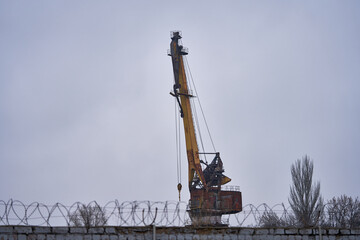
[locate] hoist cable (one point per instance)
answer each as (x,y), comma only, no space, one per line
(198,127)
(179,140)
(194,115)
(202,111)
(178,144)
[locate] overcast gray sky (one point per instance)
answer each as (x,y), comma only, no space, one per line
(85,110)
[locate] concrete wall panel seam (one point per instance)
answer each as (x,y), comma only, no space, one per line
(23,229)
(345,231)
(60,230)
(41,230)
(6,229)
(98,230)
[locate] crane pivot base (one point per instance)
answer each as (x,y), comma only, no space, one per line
(207,206)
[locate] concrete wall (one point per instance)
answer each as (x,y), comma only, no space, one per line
(171,233)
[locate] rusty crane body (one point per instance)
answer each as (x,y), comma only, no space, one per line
(209,200)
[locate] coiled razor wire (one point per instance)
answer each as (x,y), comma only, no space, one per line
(131,213)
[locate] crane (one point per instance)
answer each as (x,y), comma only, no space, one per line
(209,199)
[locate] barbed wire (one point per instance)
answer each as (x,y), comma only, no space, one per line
(130,213)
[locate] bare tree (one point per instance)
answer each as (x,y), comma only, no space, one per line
(269,219)
(343,212)
(305,199)
(88,216)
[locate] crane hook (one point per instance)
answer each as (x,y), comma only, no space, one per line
(179,187)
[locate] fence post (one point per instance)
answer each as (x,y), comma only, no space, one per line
(154,232)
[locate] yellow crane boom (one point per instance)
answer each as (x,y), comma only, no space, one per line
(181,90)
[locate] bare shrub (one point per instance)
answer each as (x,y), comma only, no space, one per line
(88,216)
(269,219)
(343,212)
